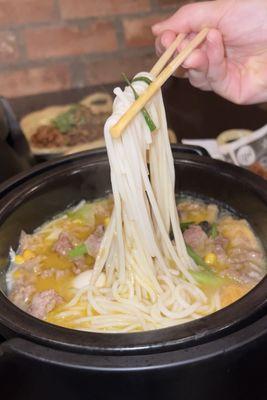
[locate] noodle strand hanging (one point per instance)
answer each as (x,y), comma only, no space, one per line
(150,284)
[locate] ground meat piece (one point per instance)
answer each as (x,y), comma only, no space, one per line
(44,302)
(220,242)
(93,242)
(239,255)
(21,294)
(244,273)
(34,264)
(78,137)
(244,259)
(241,241)
(218,246)
(195,237)
(244,265)
(79,265)
(84,134)
(48,136)
(85,127)
(63,245)
(60,273)
(47,273)
(89,122)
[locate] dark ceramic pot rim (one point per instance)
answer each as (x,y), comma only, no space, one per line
(232,318)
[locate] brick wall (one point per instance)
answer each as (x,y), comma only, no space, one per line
(49,45)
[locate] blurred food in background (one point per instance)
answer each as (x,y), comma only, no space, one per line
(67,129)
(58,129)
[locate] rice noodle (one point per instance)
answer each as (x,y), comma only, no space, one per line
(148,280)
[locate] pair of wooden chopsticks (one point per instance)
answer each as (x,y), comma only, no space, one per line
(161,77)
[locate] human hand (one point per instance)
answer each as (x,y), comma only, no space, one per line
(233,60)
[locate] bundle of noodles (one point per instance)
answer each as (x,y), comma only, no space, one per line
(148,277)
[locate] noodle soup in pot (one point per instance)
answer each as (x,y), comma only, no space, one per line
(138,261)
(49,274)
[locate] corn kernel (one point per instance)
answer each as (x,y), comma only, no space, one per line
(28,254)
(210,258)
(17,273)
(77,221)
(19,259)
(106,221)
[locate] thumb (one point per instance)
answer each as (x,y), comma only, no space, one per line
(191,18)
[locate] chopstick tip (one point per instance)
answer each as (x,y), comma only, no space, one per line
(115,131)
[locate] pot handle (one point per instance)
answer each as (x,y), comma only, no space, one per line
(190,149)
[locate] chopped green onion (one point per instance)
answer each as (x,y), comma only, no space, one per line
(213,231)
(207,277)
(67,120)
(148,119)
(85,213)
(142,79)
(185,225)
(198,260)
(78,251)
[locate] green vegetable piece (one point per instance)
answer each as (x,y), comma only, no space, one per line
(185,225)
(85,213)
(213,231)
(198,260)
(142,79)
(64,122)
(78,251)
(207,278)
(150,123)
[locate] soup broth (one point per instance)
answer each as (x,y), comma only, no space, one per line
(52,267)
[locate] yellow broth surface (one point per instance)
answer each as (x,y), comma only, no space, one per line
(230,251)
